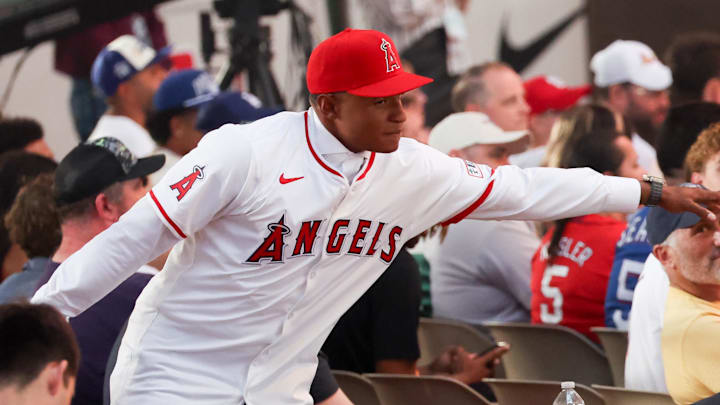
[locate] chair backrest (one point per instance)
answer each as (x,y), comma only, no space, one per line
(550,353)
(399,389)
(529,392)
(359,389)
(435,335)
(615,343)
(623,396)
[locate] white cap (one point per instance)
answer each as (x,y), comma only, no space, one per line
(630,61)
(464,129)
(566,385)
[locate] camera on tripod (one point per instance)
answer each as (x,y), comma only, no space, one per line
(249,44)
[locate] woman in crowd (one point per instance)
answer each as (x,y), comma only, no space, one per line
(571,267)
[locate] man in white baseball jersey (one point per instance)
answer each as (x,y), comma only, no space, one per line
(281,224)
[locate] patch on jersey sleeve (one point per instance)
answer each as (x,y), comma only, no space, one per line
(184,185)
(473,169)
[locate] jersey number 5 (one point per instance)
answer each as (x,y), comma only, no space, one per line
(556,314)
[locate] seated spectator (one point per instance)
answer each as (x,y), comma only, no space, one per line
(571,268)
(128,72)
(494,89)
(94,185)
(648,292)
(39,356)
(688,250)
(694,59)
(378,334)
(32,223)
(23,134)
(172,122)
(631,80)
(16,168)
(480,270)
(75,52)
(547,98)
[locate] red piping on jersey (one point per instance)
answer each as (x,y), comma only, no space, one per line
(460,216)
(167,218)
(307,137)
(370,163)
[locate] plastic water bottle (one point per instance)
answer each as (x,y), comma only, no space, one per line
(568,395)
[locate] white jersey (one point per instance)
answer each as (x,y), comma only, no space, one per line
(133,135)
(276,245)
(644,364)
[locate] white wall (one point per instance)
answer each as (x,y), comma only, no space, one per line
(42,93)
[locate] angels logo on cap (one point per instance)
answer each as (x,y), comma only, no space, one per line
(350,62)
(390,58)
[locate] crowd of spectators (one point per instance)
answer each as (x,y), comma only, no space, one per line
(653,273)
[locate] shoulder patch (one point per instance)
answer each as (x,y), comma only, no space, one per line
(473,169)
(184,185)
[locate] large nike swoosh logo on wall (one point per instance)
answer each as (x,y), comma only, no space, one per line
(521,57)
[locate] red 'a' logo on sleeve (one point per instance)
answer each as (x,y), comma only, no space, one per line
(184,185)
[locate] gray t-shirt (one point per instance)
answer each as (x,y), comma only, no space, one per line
(481,271)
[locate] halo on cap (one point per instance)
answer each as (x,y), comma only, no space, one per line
(361,62)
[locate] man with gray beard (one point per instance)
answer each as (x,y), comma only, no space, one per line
(690,254)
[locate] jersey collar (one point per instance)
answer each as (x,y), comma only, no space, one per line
(323,144)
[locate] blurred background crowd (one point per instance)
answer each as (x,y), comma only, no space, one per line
(97,105)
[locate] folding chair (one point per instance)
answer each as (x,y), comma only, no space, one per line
(530,392)
(400,389)
(615,343)
(435,335)
(550,353)
(359,389)
(623,396)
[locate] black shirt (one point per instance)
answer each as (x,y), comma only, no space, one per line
(382,324)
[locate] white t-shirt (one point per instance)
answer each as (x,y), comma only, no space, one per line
(136,138)
(647,157)
(276,244)
(643,364)
(481,271)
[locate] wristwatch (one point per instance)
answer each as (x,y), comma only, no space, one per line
(656,187)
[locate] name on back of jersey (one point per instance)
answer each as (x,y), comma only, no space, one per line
(577,251)
(362,238)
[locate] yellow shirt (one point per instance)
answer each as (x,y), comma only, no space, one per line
(691,347)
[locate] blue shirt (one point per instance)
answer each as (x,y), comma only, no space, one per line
(24,283)
(97,329)
(631,252)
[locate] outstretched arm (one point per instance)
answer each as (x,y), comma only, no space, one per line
(120,250)
(548,193)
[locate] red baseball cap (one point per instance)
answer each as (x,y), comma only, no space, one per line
(543,94)
(361,62)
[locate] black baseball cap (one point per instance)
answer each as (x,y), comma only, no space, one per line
(661,222)
(92,167)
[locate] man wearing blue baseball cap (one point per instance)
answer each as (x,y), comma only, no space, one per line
(128,72)
(186,106)
(172,122)
(689,250)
